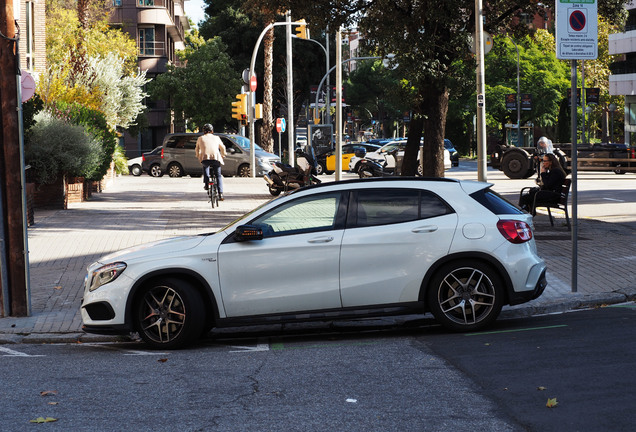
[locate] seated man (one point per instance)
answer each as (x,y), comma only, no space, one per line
(550,180)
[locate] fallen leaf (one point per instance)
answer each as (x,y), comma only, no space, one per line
(48,393)
(43,420)
(163,360)
(541,388)
(53,403)
(552,403)
(58,287)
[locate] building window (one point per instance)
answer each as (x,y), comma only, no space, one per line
(147,41)
(117,3)
(146,2)
(30,35)
(632,114)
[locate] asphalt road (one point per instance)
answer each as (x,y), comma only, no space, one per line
(351,376)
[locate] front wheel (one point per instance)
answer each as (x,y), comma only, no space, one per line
(465,296)
(274,191)
(155,170)
(244,171)
(169,314)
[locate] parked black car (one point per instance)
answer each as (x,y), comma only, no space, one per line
(151,162)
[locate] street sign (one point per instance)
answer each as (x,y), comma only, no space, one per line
(576,29)
(253,83)
(281,125)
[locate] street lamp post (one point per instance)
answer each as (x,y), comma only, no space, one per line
(325,50)
(612,108)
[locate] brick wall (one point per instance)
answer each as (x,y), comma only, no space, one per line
(39,37)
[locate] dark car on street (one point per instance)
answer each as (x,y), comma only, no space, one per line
(151,162)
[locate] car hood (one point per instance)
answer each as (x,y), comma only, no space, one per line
(160,247)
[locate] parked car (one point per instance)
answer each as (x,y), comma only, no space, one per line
(151,162)
(382,155)
(453,248)
(178,158)
(134,166)
(327,160)
(453,154)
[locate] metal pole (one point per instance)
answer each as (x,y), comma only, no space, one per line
(290,94)
(328,110)
(583,101)
(481,98)
(573,112)
(338,104)
(519,143)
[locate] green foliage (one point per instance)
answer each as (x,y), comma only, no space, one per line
(94,122)
(54,147)
(203,90)
(29,110)
(119,157)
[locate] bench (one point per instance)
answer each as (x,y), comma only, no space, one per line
(562,204)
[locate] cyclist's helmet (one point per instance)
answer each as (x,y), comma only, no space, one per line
(207,128)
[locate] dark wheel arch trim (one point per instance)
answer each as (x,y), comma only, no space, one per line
(193,277)
(488,259)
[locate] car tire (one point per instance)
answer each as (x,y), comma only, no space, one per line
(135,170)
(155,170)
(169,313)
(244,171)
(320,168)
(175,170)
(465,295)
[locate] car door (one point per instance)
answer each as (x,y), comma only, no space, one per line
(294,268)
(234,157)
(392,237)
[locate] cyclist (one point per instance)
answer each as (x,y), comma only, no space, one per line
(210,151)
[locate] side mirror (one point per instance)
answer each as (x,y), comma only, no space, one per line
(247,233)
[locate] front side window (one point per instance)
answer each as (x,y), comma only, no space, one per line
(308,214)
(389,206)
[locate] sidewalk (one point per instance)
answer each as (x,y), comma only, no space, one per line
(135,210)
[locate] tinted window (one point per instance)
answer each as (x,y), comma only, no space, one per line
(315,213)
(387,206)
(229,144)
(495,202)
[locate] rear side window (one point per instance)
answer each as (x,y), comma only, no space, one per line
(495,202)
(389,206)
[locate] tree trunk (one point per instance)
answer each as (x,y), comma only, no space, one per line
(429,122)
(267,124)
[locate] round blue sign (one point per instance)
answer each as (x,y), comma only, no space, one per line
(577,20)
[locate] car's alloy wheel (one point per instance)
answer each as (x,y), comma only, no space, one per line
(175,170)
(320,169)
(244,171)
(465,297)
(155,170)
(169,314)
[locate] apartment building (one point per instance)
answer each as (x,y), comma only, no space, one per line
(31,19)
(622,80)
(159,28)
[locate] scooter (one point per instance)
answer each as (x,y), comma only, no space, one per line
(283,178)
(368,168)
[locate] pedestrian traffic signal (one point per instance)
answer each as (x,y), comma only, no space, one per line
(302,31)
(239,107)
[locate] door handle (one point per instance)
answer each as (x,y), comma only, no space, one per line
(425,229)
(323,239)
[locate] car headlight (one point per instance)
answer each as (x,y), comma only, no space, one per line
(106,274)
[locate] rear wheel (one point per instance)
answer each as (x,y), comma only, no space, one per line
(169,314)
(135,170)
(274,191)
(155,170)
(465,296)
(515,165)
(175,170)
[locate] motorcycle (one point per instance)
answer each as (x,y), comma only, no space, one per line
(372,168)
(283,178)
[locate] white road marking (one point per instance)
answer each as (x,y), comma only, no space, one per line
(12,353)
(262,345)
(614,199)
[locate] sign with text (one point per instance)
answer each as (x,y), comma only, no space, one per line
(576,29)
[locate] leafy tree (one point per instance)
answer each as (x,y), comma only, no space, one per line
(204,89)
(429,37)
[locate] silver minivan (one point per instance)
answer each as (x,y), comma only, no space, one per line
(178,158)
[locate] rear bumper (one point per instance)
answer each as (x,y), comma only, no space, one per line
(526,296)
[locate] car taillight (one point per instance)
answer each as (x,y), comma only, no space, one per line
(143,158)
(161,153)
(515,231)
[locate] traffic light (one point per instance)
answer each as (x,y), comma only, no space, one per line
(258,111)
(302,31)
(239,107)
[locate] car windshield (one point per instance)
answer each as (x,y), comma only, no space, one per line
(245,143)
(392,146)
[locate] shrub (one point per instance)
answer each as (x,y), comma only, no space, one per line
(54,147)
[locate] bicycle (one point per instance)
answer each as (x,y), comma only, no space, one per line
(213,191)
